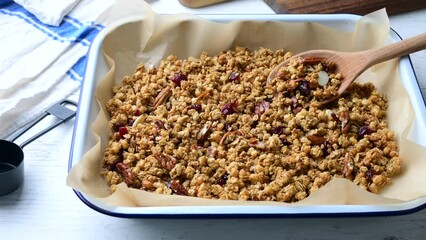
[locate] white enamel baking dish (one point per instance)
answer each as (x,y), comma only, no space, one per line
(83,140)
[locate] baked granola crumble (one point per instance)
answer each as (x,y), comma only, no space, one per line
(213,127)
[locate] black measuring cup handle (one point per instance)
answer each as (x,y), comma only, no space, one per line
(58,110)
(12,155)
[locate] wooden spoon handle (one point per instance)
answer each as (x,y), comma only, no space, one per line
(198,3)
(394,50)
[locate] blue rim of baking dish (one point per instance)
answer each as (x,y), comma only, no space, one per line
(197,211)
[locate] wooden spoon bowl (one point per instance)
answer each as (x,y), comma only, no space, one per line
(352,64)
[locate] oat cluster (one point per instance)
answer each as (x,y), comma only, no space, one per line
(214,127)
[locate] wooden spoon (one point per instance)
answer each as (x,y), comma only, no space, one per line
(352,64)
(199,3)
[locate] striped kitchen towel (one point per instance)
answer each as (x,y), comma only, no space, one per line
(41,64)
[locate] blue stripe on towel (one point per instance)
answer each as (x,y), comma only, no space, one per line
(77,71)
(90,24)
(71,30)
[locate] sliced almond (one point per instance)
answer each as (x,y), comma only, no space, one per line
(323,78)
(138,120)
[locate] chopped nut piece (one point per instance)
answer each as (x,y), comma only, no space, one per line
(167,162)
(261,107)
(159,124)
(162,96)
(316,140)
(348,166)
(223,139)
(253,142)
(126,172)
(178,188)
(203,134)
(204,94)
(345,122)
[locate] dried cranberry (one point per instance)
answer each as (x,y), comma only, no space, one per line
(364,130)
(235,76)
(118,126)
(196,107)
(110,167)
(254,123)
(222,180)
(304,88)
(276,130)
(327,145)
(369,175)
(177,79)
(137,113)
(113,166)
(284,141)
(229,108)
(123,131)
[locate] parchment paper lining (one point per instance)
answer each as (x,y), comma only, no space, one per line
(149,37)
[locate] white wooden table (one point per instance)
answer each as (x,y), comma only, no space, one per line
(45,208)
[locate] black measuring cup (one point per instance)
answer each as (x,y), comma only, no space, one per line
(12,155)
